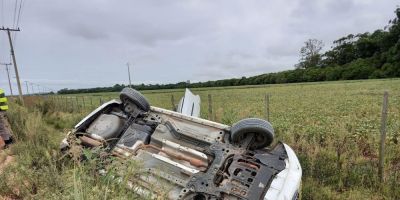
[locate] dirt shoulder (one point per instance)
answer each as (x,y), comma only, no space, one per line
(5,160)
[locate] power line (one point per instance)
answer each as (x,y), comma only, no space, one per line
(41,89)
(15,13)
(8,75)
(2,12)
(33,91)
(19,11)
(27,88)
(18,18)
(2,21)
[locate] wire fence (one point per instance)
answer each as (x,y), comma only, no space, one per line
(329,121)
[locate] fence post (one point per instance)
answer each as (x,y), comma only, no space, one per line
(173,103)
(83,101)
(267,106)
(383,137)
(57,102)
(66,104)
(91,102)
(210,110)
(101,101)
(60,103)
(77,102)
(73,106)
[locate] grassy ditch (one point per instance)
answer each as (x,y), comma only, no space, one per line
(40,171)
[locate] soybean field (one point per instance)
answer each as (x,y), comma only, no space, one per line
(334,127)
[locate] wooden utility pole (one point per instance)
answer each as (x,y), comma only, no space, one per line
(27,88)
(129,74)
(14,61)
(8,75)
(33,91)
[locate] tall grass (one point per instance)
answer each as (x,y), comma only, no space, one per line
(40,171)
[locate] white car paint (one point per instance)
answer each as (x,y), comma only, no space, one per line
(287,183)
(189,104)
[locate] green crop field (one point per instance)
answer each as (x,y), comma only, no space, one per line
(332,126)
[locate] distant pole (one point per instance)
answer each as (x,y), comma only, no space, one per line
(210,110)
(129,75)
(383,136)
(27,88)
(66,103)
(267,106)
(173,103)
(33,92)
(8,75)
(14,61)
(83,101)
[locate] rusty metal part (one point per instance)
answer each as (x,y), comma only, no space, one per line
(129,150)
(121,152)
(136,145)
(193,161)
(184,150)
(186,169)
(249,172)
(90,142)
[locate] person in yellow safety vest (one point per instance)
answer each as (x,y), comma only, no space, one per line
(3,101)
(5,137)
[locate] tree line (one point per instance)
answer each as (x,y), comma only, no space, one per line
(360,56)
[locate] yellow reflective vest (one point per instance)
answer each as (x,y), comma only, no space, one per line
(3,101)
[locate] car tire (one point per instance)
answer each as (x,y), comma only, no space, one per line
(129,94)
(262,130)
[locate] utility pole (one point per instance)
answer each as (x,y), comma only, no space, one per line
(8,75)
(27,89)
(129,74)
(33,91)
(14,61)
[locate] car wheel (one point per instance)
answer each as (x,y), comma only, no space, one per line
(129,94)
(261,130)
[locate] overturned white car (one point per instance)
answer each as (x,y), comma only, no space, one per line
(196,158)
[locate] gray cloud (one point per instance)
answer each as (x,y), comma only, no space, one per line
(78,44)
(86,31)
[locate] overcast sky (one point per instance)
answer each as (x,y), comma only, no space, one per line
(79,44)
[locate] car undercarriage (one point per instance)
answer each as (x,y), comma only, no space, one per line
(188,157)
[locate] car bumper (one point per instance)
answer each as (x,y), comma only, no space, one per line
(286,184)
